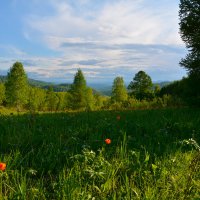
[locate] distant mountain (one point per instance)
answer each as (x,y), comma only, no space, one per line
(102,88)
(162,83)
(43,84)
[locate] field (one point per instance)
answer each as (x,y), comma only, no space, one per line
(64,155)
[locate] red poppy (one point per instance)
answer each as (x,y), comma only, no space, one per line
(118,117)
(107,141)
(2,166)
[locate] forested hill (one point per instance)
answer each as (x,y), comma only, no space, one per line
(56,87)
(43,84)
(63,87)
(104,89)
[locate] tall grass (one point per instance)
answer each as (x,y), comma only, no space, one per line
(64,156)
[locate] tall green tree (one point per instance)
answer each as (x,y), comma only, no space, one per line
(79,92)
(141,86)
(16,86)
(189,15)
(119,92)
(2,93)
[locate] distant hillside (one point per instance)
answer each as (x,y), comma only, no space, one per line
(43,84)
(102,88)
(56,87)
(106,89)
(63,87)
(162,84)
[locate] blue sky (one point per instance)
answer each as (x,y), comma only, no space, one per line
(105,38)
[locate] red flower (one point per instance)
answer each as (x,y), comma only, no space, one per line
(118,117)
(2,166)
(107,141)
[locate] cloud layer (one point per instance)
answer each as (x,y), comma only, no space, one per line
(103,38)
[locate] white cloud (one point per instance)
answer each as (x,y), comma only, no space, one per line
(11,50)
(104,38)
(119,22)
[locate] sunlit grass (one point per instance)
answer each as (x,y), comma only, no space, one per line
(65,156)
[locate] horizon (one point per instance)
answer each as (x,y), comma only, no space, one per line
(105,39)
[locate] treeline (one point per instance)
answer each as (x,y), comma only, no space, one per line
(140,94)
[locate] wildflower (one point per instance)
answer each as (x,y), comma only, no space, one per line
(2,166)
(118,117)
(107,141)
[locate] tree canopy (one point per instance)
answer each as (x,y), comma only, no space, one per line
(2,93)
(141,86)
(189,15)
(119,92)
(16,86)
(81,95)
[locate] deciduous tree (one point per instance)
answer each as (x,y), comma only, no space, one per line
(2,93)
(119,92)
(16,86)
(189,15)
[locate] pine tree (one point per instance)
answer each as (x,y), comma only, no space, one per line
(141,86)
(119,92)
(79,92)
(16,86)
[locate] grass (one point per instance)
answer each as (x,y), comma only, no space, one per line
(64,156)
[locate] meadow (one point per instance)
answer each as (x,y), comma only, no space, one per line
(64,155)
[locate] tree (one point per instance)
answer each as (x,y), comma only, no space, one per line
(2,93)
(119,92)
(16,86)
(141,86)
(79,92)
(36,99)
(189,15)
(157,90)
(90,100)
(52,99)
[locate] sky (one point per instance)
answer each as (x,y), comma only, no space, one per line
(104,38)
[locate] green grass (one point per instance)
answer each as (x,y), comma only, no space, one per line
(64,156)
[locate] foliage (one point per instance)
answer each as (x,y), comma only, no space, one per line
(2,93)
(16,86)
(119,93)
(51,99)
(184,89)
(81,95)
(189,15)
(63,101)
(141,86)
(36,99)
(190,28)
